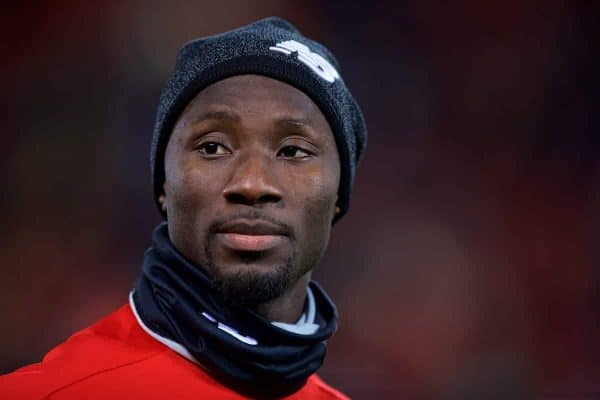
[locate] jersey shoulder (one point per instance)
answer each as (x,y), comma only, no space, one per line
(111,343)
(116,358)
(316,388)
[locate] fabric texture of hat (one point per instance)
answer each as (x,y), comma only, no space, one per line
(274,48)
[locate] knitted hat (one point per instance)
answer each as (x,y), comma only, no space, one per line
(274,48)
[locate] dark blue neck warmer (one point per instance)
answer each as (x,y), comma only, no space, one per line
(171,295)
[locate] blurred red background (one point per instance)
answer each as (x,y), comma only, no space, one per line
(467,266)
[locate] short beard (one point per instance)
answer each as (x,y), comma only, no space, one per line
(248,289)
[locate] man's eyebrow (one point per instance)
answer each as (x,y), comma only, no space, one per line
(228,115)
(301,125)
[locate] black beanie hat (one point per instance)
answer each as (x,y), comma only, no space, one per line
(274,48)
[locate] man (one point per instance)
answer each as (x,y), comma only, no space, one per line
(253,157)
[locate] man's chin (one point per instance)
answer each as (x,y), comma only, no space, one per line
(250,287)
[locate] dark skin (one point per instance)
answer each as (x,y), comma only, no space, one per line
(253,149)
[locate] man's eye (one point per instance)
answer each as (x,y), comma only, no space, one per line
(212,149)
(292,152)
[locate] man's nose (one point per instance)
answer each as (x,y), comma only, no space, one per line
(253,182)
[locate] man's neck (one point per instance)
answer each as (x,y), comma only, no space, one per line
(289,306)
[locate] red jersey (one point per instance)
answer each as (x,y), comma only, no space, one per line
(116,359)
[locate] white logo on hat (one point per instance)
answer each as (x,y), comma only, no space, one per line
(314,61)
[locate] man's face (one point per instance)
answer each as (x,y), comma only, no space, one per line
(252,174)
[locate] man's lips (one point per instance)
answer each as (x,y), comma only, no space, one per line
(242,242)
(251,235)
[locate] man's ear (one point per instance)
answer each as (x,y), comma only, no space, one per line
(162,199)
(337,210)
